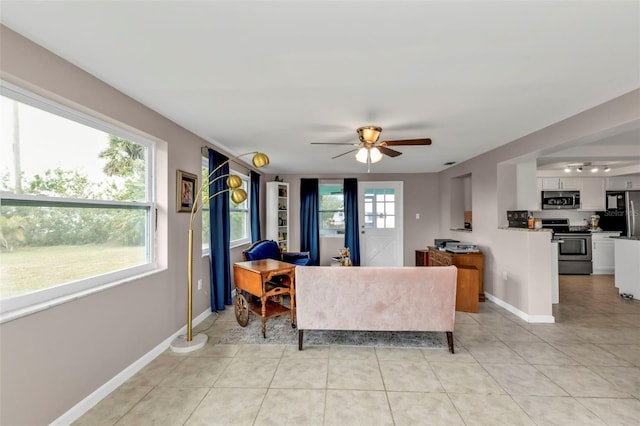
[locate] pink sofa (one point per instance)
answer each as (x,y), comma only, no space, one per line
(376,299)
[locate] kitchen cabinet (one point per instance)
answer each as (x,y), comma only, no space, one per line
(592,194)
(602,249)
(623,182)
(556,183)
(278,213)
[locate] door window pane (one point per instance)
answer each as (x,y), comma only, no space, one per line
(379,208)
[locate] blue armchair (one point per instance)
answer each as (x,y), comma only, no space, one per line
(268,249)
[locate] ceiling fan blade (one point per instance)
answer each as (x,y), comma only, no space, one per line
(408,142)
(388,151)
(345,153)
(335,143)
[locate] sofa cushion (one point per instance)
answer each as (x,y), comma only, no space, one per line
(297,258)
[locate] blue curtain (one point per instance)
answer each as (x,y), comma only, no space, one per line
(351,226)
(309,221)
(219,236)
(254,209)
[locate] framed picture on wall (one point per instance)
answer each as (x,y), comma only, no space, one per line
(186,186)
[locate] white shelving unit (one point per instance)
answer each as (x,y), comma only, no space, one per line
(278,213)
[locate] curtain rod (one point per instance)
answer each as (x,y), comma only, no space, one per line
(204,151)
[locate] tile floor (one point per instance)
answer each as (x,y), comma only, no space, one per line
(582,370)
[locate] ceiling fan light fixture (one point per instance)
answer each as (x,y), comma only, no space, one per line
(594,169)
(579,169)
(362,155)
(607,169)
(375,154)
(369,133)
(567,169)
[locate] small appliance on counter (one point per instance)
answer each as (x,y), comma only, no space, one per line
(593,222)
(442,242)
(518,218)
(460,247)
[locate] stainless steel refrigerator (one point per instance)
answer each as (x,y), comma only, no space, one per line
(622,214)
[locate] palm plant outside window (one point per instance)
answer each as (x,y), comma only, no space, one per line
(76,201)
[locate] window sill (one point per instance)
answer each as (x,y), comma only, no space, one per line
(30,310)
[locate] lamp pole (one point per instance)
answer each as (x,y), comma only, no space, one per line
(187,343)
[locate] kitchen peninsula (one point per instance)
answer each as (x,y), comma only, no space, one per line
(627,265)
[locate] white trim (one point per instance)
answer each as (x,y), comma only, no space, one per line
(546,319)
(16,313)
(75,412)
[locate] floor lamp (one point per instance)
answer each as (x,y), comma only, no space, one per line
(188,342)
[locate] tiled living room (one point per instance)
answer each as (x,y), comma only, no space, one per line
(582,370)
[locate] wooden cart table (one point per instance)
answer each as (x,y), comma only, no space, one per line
(255,278)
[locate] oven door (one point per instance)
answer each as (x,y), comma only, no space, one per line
(573,247)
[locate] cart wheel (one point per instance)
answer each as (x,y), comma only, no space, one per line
(242,310)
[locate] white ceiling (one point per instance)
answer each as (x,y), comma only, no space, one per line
(275,76)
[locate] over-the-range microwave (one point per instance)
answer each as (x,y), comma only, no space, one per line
(554,200)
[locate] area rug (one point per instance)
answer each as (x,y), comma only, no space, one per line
(279,331)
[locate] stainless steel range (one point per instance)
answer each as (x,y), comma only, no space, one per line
(574,246)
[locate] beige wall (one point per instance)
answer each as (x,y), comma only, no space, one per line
(53,359)
(525,257)
(420,196)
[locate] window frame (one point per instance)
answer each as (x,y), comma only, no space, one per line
(24,304)
(331,233)
(376,215)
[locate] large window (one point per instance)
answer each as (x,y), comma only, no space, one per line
(239,216)
(77,203)
(331,205)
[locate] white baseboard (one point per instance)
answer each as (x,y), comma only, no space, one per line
(75,412)
(547,319)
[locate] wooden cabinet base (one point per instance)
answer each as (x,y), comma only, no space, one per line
(461,260)
(467,289)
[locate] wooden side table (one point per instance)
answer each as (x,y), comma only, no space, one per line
(422,257)
(254,277)
(472,259)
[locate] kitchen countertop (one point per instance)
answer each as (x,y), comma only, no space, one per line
(506,228)
(626,238)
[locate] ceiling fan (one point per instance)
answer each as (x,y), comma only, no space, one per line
(370,150)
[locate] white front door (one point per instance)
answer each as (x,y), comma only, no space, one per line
(380,210)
